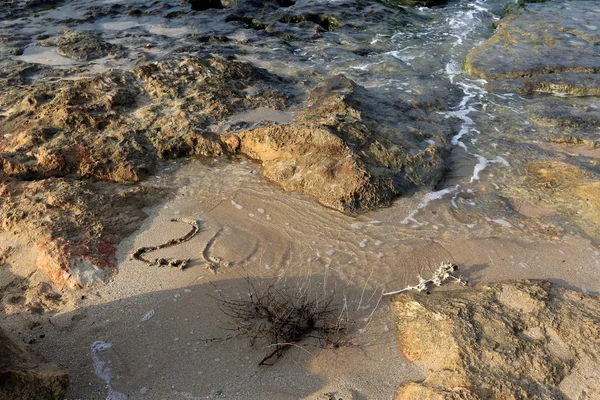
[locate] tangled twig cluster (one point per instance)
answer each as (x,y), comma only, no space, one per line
(443,273)
(283,317)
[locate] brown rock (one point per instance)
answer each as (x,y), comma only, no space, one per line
(25,375)
(542,48)
(572,190)
(76,224)
(507,340)
(349,149)
(116,128)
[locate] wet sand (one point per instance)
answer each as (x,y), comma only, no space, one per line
(143,335)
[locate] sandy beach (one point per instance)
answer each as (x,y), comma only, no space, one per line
(142,335)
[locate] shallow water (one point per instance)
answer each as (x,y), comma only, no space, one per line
(413,52)
(44,55)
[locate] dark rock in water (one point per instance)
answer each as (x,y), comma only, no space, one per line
(508,340)
(15,51)
(574,83)
(248,22)
(12,9)
(327,22)
(201,5)
(286,3)
(543,48)
(519,5)
(85,46)
(25,375)
(423,3)
(568,118)
(350,149)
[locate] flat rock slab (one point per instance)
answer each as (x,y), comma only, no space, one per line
(508,340)
(25,375)
(548,47)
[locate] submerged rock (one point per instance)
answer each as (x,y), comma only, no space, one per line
(548,47)
(201,5)
(25,375)
(424,3)
(350,149)
(85,46)
(508,340)
(567,188)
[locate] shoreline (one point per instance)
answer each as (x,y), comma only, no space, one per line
(147,355)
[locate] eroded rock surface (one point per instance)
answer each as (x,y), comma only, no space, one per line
(568,188)
(508,340)
(85,46)
(116,128)
(548,47)
(117,125)
(25,375)
(350,149)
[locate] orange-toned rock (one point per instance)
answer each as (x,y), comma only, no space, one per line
(507,340)
(350,149)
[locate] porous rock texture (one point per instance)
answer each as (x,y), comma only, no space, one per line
(569,188)
(509,340)
(71,150)
(350,149)
(546,47)
(25,375)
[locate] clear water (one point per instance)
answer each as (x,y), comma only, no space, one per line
(408,51)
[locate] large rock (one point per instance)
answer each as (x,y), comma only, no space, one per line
(508,340)
(25,375)
(567,188)
(201,5)
(548,47)
(350,149)
(86,46)
(114,128)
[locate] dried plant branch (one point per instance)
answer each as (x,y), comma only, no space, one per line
(443,273)
(284,316)
(138,254)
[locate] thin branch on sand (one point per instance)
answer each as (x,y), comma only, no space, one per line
(138,254)
(443,273)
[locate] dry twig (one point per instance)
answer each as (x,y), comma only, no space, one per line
(138,254)
(443,273)
(283,317)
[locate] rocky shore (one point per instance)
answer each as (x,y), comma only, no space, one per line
(509,340)
(347,147)
(373,146)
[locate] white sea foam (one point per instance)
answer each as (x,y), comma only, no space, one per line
(429,197)
(103,370)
